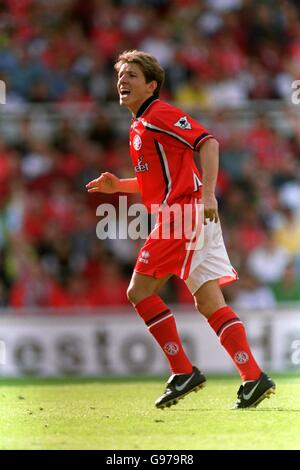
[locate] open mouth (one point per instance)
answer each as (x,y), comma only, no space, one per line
(124,93)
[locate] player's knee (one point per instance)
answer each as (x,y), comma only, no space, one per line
(134,294)
(200,304)
(131,294)
(137,294)
(205,306)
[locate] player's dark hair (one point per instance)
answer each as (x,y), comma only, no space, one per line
(150,67)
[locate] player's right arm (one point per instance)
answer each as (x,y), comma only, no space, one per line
(109,183)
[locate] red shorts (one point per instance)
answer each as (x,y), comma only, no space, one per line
(170,246)
(198,256)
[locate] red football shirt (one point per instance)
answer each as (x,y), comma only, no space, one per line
(162,141)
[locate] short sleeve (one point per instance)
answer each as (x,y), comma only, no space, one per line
(179,125)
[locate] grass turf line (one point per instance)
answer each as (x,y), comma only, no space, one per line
(119,414)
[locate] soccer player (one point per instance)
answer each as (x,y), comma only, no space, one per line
(162,141)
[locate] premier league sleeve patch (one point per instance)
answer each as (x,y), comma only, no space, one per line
(183,123)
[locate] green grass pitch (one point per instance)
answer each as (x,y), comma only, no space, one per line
(119,414)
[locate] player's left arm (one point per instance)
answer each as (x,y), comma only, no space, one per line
(209,158)
(189,132)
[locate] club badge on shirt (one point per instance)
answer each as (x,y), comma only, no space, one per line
(137,142)
(183,123)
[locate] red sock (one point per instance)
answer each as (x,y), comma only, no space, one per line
(162,326)
(232,335)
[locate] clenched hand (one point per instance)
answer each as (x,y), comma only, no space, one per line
(210,208)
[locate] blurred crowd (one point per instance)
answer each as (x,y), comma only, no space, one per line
(215,52)
(59,130)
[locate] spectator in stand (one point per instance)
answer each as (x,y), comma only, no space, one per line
(101,131)
(251,231)
(235,157)
(251,295)
(288,234)
(3,294)
(194,93)
(77,291)
(35,288)
(289,193)
(268,261)
(287,289)
(111,276)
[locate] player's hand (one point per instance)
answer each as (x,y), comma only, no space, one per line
(106,183)
(210,208)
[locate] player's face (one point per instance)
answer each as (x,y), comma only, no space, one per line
(132,87)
